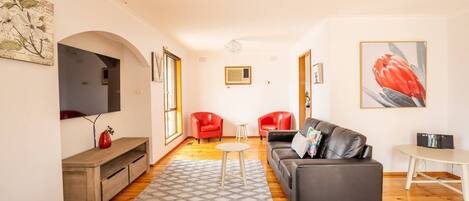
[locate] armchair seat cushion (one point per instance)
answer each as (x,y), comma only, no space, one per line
(269,127)
(208,128)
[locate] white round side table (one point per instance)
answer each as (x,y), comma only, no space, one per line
(241,131)
(233,147)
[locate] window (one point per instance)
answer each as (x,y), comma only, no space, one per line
(172,96)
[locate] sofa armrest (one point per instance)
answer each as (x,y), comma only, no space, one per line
(325,180)
(281,135)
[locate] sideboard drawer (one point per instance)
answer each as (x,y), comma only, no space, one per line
(137,167)
(115,183)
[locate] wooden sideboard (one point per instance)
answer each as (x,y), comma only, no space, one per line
(99,174)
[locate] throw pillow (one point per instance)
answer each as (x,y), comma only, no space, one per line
(314,139)
(300,145)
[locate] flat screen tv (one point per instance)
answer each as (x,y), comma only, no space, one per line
(89,83)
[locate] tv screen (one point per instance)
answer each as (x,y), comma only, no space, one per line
(89,83)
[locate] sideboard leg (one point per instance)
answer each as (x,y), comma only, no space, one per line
(410,172)
(465,181)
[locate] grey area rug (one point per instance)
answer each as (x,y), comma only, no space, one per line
(199,180)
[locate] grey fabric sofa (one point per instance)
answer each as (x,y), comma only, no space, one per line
(342,169)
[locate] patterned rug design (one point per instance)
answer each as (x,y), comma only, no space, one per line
(199,180)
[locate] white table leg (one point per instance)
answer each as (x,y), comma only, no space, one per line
(465,181)
(417,163)
(223,169)
(410,172)
(238,133)
(245,133)
(241,167)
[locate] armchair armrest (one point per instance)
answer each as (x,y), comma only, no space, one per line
(281,135)
(324,180)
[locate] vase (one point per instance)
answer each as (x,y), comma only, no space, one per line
(105,140)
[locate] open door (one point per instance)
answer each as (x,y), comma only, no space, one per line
(304,86)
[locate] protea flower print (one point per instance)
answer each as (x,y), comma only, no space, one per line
(401,83)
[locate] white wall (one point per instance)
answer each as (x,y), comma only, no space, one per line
(384,128)
(240,103)
(458,69)
(134,118)
(30,102)
(142,38)
(29,132)
(458,102)
(316,40)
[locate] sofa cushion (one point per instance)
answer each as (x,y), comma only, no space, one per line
(286,168)
(344,144)
(300,144)
(208,128)
(309,122)
(278,144)
(326,131)
(269,127)
(281,154)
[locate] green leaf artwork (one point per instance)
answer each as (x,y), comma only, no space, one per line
(26,31)
(28,3)
(10,45)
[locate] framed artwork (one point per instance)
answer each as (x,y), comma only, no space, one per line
(26,31)
(238,75)
(318,77)
(393,74)
(156,67)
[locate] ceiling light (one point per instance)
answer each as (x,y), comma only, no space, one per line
(233,46)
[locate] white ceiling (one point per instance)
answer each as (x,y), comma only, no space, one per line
(205,25)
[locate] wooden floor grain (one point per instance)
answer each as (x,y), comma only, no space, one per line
(190,150)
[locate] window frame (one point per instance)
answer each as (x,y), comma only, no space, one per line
(178,96)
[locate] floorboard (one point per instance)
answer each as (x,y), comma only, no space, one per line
(190,150)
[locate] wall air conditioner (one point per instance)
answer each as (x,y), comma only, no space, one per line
(238,75)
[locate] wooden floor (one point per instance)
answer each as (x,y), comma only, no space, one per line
(190,150)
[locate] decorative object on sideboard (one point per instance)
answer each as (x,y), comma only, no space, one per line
(234,46)
(26,31)
(393,74)
(105,140)
(318,75)
(437,141)
(157,67)
(238,75)
(94,127)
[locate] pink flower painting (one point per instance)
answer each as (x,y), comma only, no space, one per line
(393,74)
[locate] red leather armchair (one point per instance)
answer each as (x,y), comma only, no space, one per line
(274,121)
(206,125)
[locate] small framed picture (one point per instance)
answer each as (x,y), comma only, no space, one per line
(318,73)
(156,67)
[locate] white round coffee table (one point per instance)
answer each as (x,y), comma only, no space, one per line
(233,147)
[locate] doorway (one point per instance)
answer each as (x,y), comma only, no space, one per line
(305,89)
